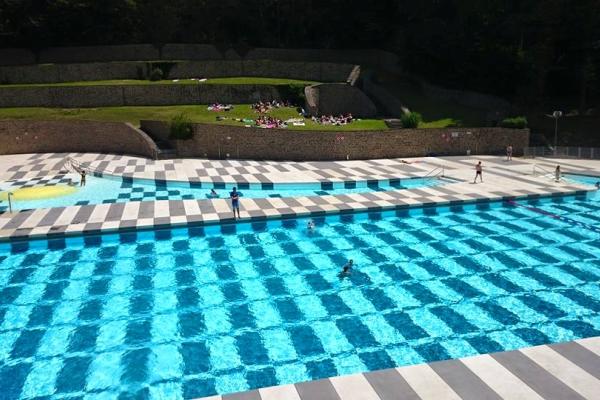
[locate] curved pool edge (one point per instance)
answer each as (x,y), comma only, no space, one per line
(240,184)
(226,223)
(479,376)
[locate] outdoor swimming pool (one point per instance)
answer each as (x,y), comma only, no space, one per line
(194,312)
(104,190)
(587,179)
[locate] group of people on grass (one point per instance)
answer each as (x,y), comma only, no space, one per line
(217,107)
(342,119)
(266,106)
(265,121)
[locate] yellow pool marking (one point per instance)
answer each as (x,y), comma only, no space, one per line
(39,192)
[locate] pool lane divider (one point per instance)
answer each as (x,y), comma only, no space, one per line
(568,220)
(229,224)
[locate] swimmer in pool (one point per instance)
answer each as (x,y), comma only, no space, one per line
(310,225)
(213,193)
(347,268)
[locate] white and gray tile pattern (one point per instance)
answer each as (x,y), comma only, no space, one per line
(568,370)
(502,181)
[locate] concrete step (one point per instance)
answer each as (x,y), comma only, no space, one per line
(393,123)
(166,154)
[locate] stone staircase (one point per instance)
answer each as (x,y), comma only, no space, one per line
(393,123)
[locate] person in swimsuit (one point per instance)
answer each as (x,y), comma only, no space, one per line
(235,202)
(82,182)
(347,268)
(509,151)
(213,194)
(557,173)
(478,172)
(310,225)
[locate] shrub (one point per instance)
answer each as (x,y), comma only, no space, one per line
(515,123)
(156,74)
(294,92)
(411,119)
(181,128)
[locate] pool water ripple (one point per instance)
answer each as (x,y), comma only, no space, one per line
(190,313)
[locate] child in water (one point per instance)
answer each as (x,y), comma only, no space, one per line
(347,268)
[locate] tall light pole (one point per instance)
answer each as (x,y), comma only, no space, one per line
(556,115)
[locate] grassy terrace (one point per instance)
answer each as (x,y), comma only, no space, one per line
(197,113)
(213,81)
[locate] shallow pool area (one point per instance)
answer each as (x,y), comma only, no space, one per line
(585,179)
(103,190)
(192,312)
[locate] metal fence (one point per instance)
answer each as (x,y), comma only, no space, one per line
(590,153)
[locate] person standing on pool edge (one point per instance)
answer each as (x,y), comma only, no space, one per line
(235,201)
(509,151)
(478,172)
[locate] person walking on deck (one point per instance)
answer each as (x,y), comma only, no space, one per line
(478,172)
(235,202)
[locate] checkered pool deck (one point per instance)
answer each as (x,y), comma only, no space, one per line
(559,371)
(502,180)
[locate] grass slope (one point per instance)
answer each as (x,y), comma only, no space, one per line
(197,113)
(213,81)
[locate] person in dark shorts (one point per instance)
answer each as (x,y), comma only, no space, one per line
(347,268)
(82,181)
(478,172)
(509,151)
(235,202)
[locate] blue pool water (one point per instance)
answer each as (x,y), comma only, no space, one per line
(104,190)
(194,312)
(586,179)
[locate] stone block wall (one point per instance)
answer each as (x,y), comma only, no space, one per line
(126,52)
(338,98)
(55,73)
(281,144)
(134,95)
(180,51)
(16,57)
(466,98)
(24,136)
(176,51)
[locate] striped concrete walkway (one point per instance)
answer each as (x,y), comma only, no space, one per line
(561,371)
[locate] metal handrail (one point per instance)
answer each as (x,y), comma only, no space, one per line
(8,196)
(546,172)
(79,166)
(442,172)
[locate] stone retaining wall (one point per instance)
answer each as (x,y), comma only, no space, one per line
(24,136)
(126,52)
(467,98)
(56,73)
(134,95)
(147,52)
(281,144)
(338,98)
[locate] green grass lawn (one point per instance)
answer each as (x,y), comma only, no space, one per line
(213,81)
(197,113)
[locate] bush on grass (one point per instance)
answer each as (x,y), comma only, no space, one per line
(156,75)
(181,128)
(514,123)
(411,120)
